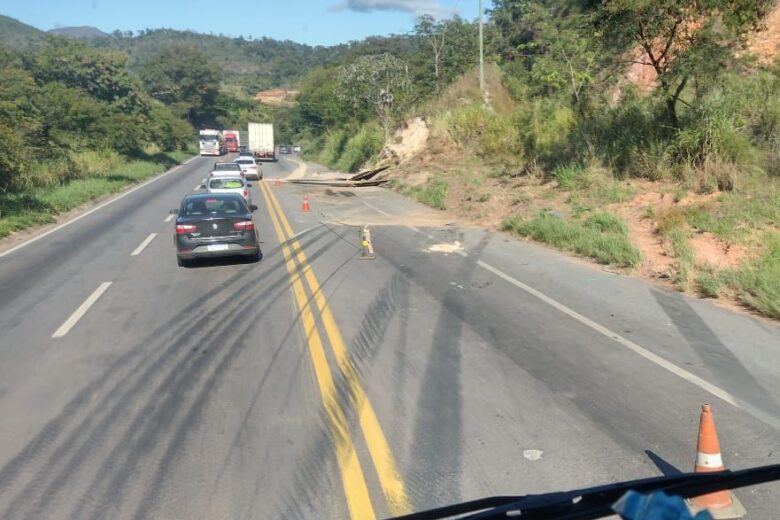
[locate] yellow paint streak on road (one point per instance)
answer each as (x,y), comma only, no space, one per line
(378,447)
(354,482)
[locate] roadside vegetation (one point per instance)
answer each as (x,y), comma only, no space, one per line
(600,236)
(36,205)
(77,122)
(653,148)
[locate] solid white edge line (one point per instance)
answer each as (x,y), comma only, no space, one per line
(81,311)
(650,356)
(100,206)
(169,218)
(143,244)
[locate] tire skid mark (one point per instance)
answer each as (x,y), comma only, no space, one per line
(113,404)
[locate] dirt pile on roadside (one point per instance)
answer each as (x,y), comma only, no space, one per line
(411,139)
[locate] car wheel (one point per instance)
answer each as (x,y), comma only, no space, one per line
(182,262)
(257,256)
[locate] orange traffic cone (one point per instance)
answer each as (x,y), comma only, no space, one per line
(721,504)
(277,182)
(305,207)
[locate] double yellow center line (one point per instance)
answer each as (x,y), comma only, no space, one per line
(353,479)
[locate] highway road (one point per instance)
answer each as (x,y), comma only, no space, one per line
(458,364)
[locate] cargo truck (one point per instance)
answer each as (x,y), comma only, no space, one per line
(232,140)
(211,142)
(261,141)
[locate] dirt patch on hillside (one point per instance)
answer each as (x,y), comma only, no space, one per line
(277,97)
(709,249)
(411,139)
(764,43)
(656,263)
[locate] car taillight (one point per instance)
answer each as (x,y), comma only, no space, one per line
(246,225)
(183,229)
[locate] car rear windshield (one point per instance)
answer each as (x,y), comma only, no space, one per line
(245,161)
(214,206)
(221,167)
(226,183)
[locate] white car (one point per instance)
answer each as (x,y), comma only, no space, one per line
(230,185)
(250,168)
(226,169)
(296,148)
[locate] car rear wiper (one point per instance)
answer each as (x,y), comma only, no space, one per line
(597,501)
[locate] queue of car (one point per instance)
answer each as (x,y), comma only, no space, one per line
(214,225)
(219,222)
(250,167)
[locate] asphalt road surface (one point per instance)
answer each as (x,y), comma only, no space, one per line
(313,384)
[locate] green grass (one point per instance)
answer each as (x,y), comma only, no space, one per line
(591,188)
(602,237)
(682,250)
(519,198)
(572,177)
(709,284)
(35,206)
(757,282)
(431,194)
(733,217)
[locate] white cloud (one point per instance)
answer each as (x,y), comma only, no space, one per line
(416,7)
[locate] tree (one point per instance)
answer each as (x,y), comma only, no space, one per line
(380,83)
(462,50)
(513,31)
(319,105)
(563,54)
(444,50)
(683,41)
(100,73)
(433,34)
(183,77)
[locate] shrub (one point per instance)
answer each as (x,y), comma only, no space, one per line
(571,176)
(757,282)
(493,135)
(359,148)
(602,237)
(332,147)
(431,194)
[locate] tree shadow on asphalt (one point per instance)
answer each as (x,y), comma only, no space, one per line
(163,347)
(715,356)
(436,453)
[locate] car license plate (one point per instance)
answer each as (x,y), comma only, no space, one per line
(217,247)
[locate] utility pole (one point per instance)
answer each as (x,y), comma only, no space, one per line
(481,54)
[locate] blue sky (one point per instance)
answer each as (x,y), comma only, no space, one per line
(314,22)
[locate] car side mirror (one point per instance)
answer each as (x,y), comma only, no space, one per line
(174,211)
(253,207)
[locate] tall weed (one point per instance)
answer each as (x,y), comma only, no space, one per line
(359,148)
